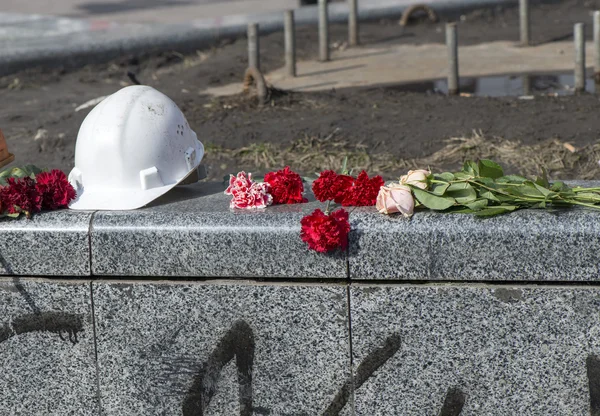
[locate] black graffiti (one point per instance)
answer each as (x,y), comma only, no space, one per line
(593,372)
(55,322)
(238,342)
(454,402)
(365,370)
(26,295)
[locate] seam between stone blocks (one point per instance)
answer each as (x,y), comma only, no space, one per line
(94,332)
(98,395)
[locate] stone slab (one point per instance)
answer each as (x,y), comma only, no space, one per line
(221,349)
(50,244)
(47,352)
(476,350)
(192,232)
(532,245)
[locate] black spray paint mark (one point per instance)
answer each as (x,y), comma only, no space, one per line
(369,365)
(593,372)
(454,402)
(238,342)
(55,322)
(26,295)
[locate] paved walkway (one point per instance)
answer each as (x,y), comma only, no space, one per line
(144,11)
(393,64)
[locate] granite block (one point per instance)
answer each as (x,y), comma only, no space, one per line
(192,232)
(527,245)
(47,351)
(476,350)
(221,349)
(50,244)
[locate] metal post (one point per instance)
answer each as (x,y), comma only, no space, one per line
(290,43)
(323,32)
(253,46)
(353,22)
(525,26)
(579,37)
(526,81)
(597,48)
(452,44)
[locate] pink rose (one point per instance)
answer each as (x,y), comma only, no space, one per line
(418,178)
(248,194)
(395,198)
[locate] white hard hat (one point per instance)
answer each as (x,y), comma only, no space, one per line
(132,148)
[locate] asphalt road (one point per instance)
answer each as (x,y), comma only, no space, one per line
(144,11)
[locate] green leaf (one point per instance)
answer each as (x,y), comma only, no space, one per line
(543,180)
(527,189)
(431,201)
(446,176)
(471,168)
(439,188)
(546,192)
(512,179)
(478,204)
(463,175)
(488,195)
(559,186)
(490,169)
(501,209)
(462,192)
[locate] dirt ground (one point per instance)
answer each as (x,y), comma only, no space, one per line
(382,128)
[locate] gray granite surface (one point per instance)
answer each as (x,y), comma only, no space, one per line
(528,245)
(221,349)
(460,350)
(46,348)
(50,244)
(192,232)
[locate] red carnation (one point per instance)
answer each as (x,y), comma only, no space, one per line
(20,195)
(55,189)
(325,233)
(363,192)
(285,186)
(331,186)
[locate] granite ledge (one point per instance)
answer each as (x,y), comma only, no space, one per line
(49,244)
(527,245)
(191,232)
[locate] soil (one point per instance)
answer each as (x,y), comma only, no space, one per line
(383,128)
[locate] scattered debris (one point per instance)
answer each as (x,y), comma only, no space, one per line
(133,78)
(90,103)
(40,135)
(408,13)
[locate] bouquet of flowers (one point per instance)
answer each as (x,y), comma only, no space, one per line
(480,188)
(28,190)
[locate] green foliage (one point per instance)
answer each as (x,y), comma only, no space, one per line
(482,189)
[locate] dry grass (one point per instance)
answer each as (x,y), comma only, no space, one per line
(310,155)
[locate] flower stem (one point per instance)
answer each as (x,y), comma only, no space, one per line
(327,208)
(583,204)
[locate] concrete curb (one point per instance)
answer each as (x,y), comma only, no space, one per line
(92,42)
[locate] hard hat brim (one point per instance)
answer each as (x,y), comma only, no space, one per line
(122,199)
(117,200)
